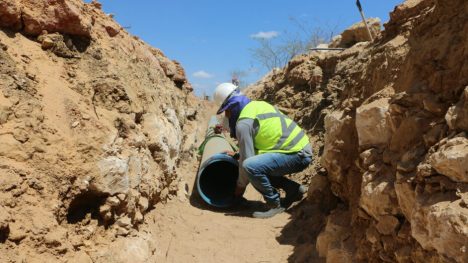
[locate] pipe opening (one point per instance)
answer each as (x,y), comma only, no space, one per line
(217,183)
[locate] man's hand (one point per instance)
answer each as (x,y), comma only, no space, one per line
(218,129)
(234,155)
(239,192)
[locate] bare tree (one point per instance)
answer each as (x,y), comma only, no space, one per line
(268,55)
(239,76)
(275,53)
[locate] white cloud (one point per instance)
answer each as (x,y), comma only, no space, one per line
(202,74)
(265,35)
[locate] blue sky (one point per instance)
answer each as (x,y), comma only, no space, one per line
(213,38)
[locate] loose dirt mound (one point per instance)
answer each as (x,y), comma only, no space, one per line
(93,125)
(389,122)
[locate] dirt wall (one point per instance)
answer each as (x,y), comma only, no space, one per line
(93,126)
(388,124)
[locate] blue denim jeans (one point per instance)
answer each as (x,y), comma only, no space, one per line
(260,167)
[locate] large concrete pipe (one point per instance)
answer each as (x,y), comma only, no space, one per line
(218,172)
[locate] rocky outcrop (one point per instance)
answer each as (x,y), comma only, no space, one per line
(56,16)
(357,33)
(10,14)
(331,243)
(53,16)
(441,226)
(372,126)
(451,159)
(457,115)
(388,121)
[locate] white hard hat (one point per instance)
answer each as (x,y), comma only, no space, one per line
(223,92)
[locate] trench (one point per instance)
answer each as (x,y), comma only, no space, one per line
(211,226)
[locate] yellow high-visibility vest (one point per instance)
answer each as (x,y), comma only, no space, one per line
(277,132)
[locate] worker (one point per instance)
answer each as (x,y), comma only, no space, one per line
(271,145)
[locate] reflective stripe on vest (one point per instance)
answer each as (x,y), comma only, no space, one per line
(253,109)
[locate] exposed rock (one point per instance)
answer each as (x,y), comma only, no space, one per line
(114,176)
(124,222)
(121,231)
(138,218)
(371,123)
(112,30)
(303,71)
(164,146)
(411,129)
(387,224)
(111,95)
(169,67)
(358,33)
(331,243)
(337,155)
(370,157)
(378,196)
(457,116)
(10,14)
(442,226)
(58,16)
(432,105)
(179,77)
(336,40)
(435,134)
(173,70)
(452,159)
(96,4)
(143,203)
(138,168)
(17,232)
(57,44)
(121,197)
(113,201)
(406,197)
(47,43)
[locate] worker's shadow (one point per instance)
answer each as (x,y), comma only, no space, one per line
(245,208)
(242,208)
